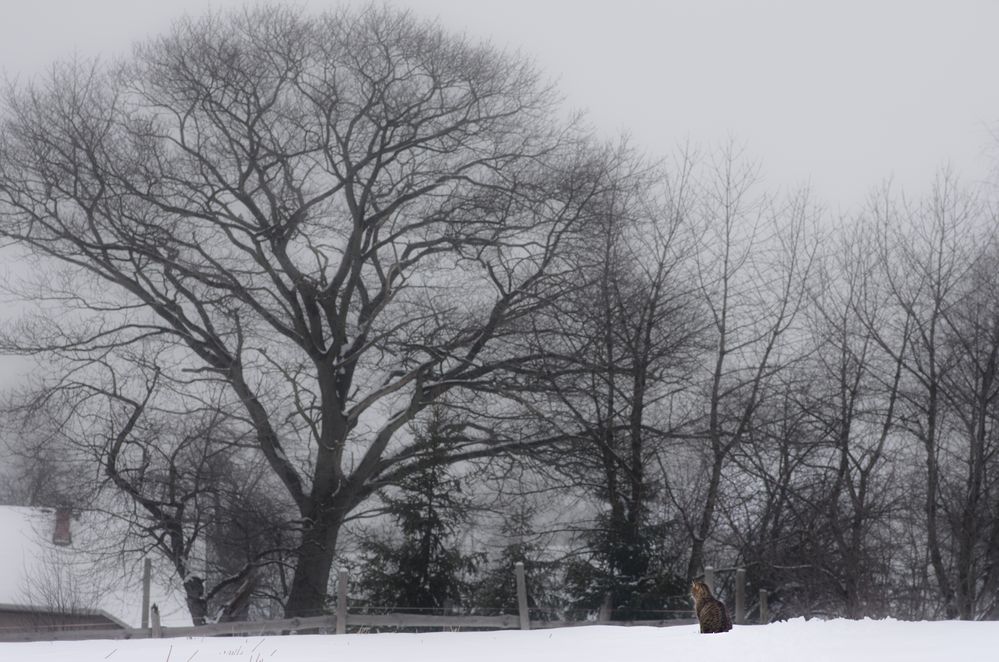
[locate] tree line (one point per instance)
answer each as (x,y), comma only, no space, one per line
(320,290)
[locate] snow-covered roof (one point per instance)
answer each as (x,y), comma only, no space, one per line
(92,572)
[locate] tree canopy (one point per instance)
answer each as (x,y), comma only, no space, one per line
(318,225)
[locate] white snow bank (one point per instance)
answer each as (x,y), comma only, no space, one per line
(793,641)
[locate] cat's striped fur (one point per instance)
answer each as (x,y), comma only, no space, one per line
(711,613)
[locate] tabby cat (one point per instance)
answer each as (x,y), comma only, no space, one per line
(711,613)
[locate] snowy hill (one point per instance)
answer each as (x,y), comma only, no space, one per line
(793,641)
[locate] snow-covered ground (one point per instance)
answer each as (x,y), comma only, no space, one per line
(797,640)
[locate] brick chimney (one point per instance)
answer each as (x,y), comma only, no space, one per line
(62,535)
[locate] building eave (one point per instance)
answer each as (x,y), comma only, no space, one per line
(35,609)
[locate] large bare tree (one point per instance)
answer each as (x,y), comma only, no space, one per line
(317,224)
(931,259)
(753,270)
(627,342)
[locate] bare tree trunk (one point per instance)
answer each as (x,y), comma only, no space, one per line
(308,594)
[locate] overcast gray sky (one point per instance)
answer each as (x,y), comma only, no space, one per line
(839,94)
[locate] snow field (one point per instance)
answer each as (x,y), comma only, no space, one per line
(797,640)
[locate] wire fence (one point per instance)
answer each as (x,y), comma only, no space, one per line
(361,618)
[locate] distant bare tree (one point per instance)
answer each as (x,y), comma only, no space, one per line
(970,486)
(39,471)
(754,265)
(928,253)
(186,480)
(60,596)
(627,343)
(65,586)
(843,403)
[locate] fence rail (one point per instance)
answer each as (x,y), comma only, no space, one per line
(339,621)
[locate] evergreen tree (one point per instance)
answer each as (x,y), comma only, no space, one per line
(496,589)
(631,566)
(421,568)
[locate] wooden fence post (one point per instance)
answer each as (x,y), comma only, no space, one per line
(341,602)
(709,578)
(147,571)
(525,616)
(606,608)
(156,632)
(764,608)
(740,596)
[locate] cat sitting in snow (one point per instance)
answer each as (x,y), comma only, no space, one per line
(711,613)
